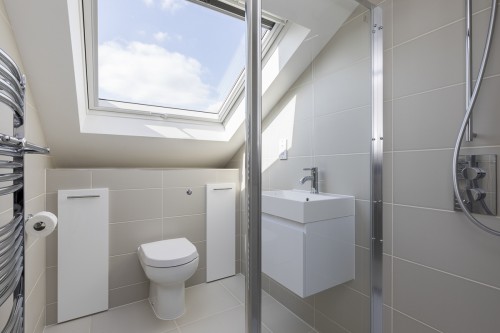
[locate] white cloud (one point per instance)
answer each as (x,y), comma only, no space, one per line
(168,5)
(171,5)
(150,74)
(161,36)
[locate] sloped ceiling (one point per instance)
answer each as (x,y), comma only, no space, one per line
(41,29)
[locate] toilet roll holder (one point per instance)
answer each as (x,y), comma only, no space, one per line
(39,226)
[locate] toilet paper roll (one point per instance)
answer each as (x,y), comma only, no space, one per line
(41,224)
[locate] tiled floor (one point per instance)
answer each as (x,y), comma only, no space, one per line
(216,307)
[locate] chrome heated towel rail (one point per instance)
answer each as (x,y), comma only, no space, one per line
(12,237)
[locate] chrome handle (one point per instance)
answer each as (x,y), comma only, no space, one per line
(83,196)
(223,189)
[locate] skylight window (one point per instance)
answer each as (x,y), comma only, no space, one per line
(172,57)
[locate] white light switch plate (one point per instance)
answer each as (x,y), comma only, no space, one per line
(283,150)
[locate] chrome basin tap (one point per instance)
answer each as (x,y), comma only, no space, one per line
(313,178)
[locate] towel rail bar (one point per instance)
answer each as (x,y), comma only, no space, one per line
(12,235)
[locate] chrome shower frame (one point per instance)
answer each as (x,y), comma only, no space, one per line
(253,166)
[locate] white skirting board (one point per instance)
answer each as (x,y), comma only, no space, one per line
(83,253)
(221,238)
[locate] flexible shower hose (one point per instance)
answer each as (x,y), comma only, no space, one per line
(468,114)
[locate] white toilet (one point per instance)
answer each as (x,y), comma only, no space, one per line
(168,264)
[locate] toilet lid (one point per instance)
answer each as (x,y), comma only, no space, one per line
(168,253)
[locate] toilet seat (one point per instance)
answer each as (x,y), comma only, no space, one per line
(168,253)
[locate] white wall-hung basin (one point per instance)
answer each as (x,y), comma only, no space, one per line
(304,207)
(308,240)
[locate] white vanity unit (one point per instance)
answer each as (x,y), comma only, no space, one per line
(307,239)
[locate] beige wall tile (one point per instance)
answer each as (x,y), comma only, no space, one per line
(433,113)
(423,179)
(188,177)
(135,205)
(480,23)
(387,232)
(192,227)
(349,45)
(445,302)
(34,176)
(424,64)
(405,324)
(200,276)
(35,265)
(51,314)
(68,179)
(325,325)
(125,238)
(125,270)
(408,16)
(387,277)
(332,94)
(51,249)
(345,132)
(201,247)
(387,319)
(303,308)
(345,174)
(176,202)
(388,87)
(126,179)
(285,175)
(129,294)
(361,283)
(362,215)
(346,307)
(421,234)
(35,304)
(51,286)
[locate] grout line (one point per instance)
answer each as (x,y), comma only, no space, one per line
(138,221)
(429,208)
(439,28)
(345,154)
(334,322)
(421,150)
(355,17)
(211,315)
(32,244)
(493,76)
(421,322)
(353,109)
(129,285)
(394,99)
(292,313)
(35,285)
(229,291)
(448,273)
(340,69)
(39,318)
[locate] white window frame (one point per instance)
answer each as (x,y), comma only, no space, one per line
(98,106)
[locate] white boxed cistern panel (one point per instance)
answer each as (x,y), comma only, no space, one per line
(83,253)
(221,230)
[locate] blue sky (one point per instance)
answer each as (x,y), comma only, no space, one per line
(141,42)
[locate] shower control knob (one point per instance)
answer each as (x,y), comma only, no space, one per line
(473,173)
(476,194)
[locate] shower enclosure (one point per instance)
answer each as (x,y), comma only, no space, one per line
(329,125)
